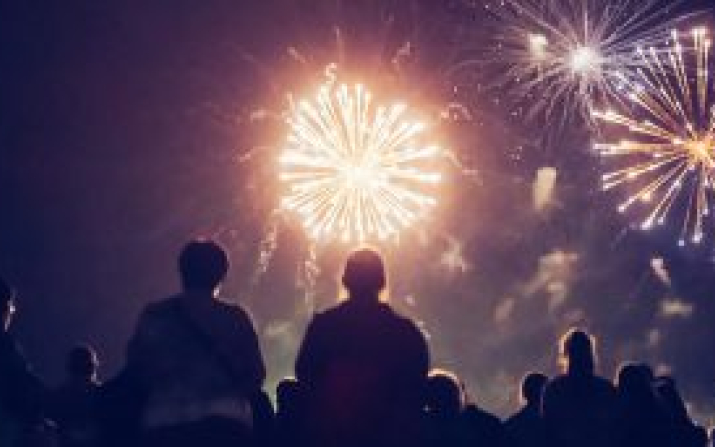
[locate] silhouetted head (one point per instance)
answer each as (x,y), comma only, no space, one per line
(532,387)
(364,276)
(82,363)
(288,396)
(634,379)
(7,304)
(445,395)
(578,352)
(203,265)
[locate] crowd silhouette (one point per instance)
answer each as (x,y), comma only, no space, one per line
(194,376)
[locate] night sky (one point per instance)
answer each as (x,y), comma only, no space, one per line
(127,128)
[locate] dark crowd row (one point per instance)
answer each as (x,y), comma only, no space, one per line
(194,376)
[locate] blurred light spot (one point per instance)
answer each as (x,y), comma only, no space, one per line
(504,310)
(675,308)
(658,266)
(543,188)
(452,259)
(654,338)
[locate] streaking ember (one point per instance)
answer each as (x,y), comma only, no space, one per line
(564,56)
(666,160)
(356,171)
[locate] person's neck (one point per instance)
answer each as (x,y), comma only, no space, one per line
(208,293)
(365,300)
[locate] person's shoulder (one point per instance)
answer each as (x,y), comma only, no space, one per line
(558,380)
(604,385)
(233,311)
(337,312)
(556,384)
(160,307)
(477,415)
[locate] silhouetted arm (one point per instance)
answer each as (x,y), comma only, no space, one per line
(310,353)
(251,367)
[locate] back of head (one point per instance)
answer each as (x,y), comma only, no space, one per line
(445,396)
(578,352)
(364,275)
(634,379)
(288,395)
(532,388)
(203,265)
(82,362)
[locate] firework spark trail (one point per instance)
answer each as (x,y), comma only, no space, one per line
(353,171)
(669,152)
(568,55)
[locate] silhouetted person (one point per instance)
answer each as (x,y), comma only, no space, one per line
(197,359)
(578,407)
(641,416)
(73,404)
(526,427)
(452,421)
(363,366)
(290,413)
(683,432)
(21,392)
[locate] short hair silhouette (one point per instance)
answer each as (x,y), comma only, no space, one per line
(634,376)
(364,274)
(532,387)
(82,362)
(203,265)
(578,351)
(445,395)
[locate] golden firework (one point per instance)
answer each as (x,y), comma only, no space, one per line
(355,171)
(666,161)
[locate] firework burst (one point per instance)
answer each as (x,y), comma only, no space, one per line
(666,159)
(564,56)
(354,171)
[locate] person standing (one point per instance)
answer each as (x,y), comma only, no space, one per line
(362,366)
(197,359)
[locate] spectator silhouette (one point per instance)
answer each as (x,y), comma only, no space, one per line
(641,416)
(452,421)
(197,358)
(290,420)
(362,366)
(73,405)
(526,428)
(683,432)
(578,407)
(21,392)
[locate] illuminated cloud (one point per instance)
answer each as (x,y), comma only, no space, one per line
(555,274)
(504,310)
(543,188)
(452,259)
(675,308)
